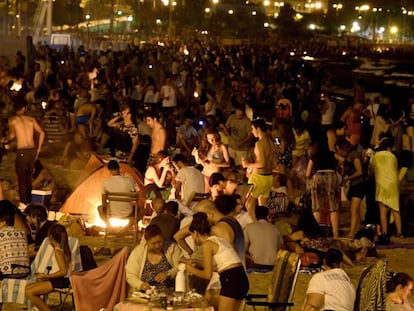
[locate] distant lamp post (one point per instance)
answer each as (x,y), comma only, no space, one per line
(337,7)
(171,4)
(87,17)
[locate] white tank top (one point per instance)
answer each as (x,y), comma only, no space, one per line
(226,254)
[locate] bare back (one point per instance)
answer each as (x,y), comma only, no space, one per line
(23,128)
(265,153)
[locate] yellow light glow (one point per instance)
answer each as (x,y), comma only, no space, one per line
(394,29)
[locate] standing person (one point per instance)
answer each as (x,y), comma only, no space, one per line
(387,192)
(357,178)
(331,289)
(328,108)
(85,117)
(265,160)
(233,278)
(212,155)
(124,126)
(321,171)
(352,118)
(158,136)
(45,283)
(238,128)
(168,95)
(22,128)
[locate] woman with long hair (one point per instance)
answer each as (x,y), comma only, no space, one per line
(212,155)
(46,282)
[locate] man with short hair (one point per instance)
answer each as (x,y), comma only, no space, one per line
(187,136)
(158,136)
(168,224)
(117,183)
(238,128)
(265,160)
(22,128)
(262,240)
(189,180)
(331,289)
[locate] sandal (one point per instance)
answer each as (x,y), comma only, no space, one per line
(400,235)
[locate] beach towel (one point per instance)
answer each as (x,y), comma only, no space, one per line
(102,287)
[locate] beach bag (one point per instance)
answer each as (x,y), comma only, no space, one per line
(308,259)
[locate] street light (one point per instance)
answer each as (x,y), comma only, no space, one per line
(337,7)
(87,17)
(171,5)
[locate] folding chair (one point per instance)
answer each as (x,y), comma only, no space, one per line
(372,286)
(130,197)
(282,286)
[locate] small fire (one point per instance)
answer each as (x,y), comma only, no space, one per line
(118,222)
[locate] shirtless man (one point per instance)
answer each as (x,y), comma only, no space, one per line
(265,160)
(158,136)
(84,118)
(22,129)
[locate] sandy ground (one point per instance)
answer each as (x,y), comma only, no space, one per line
(400,259)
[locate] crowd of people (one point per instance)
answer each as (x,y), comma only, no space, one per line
(200,122)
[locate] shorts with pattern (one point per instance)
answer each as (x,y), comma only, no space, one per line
(325,190)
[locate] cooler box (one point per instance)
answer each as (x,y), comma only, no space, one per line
(42,197)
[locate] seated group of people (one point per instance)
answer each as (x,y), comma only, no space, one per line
(20,238)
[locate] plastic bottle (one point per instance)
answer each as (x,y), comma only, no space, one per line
(180,279)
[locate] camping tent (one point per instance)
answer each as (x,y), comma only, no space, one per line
(87,193)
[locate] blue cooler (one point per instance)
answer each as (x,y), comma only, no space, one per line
(41,196)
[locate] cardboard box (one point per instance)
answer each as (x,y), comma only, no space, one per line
(42,197)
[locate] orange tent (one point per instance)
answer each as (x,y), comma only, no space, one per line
(87,194)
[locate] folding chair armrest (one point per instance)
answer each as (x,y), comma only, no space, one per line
(269,304)
(255,296)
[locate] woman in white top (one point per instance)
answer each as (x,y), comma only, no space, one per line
(217,251)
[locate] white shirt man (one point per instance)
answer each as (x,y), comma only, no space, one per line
(168,95)
(189,180)
(331,289)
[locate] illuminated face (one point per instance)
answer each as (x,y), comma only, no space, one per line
(126,113)
(30,220)
(406,290)
(231,186)
(150,121)
(239,114)
(212,139)
(254,132)
(155,244)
